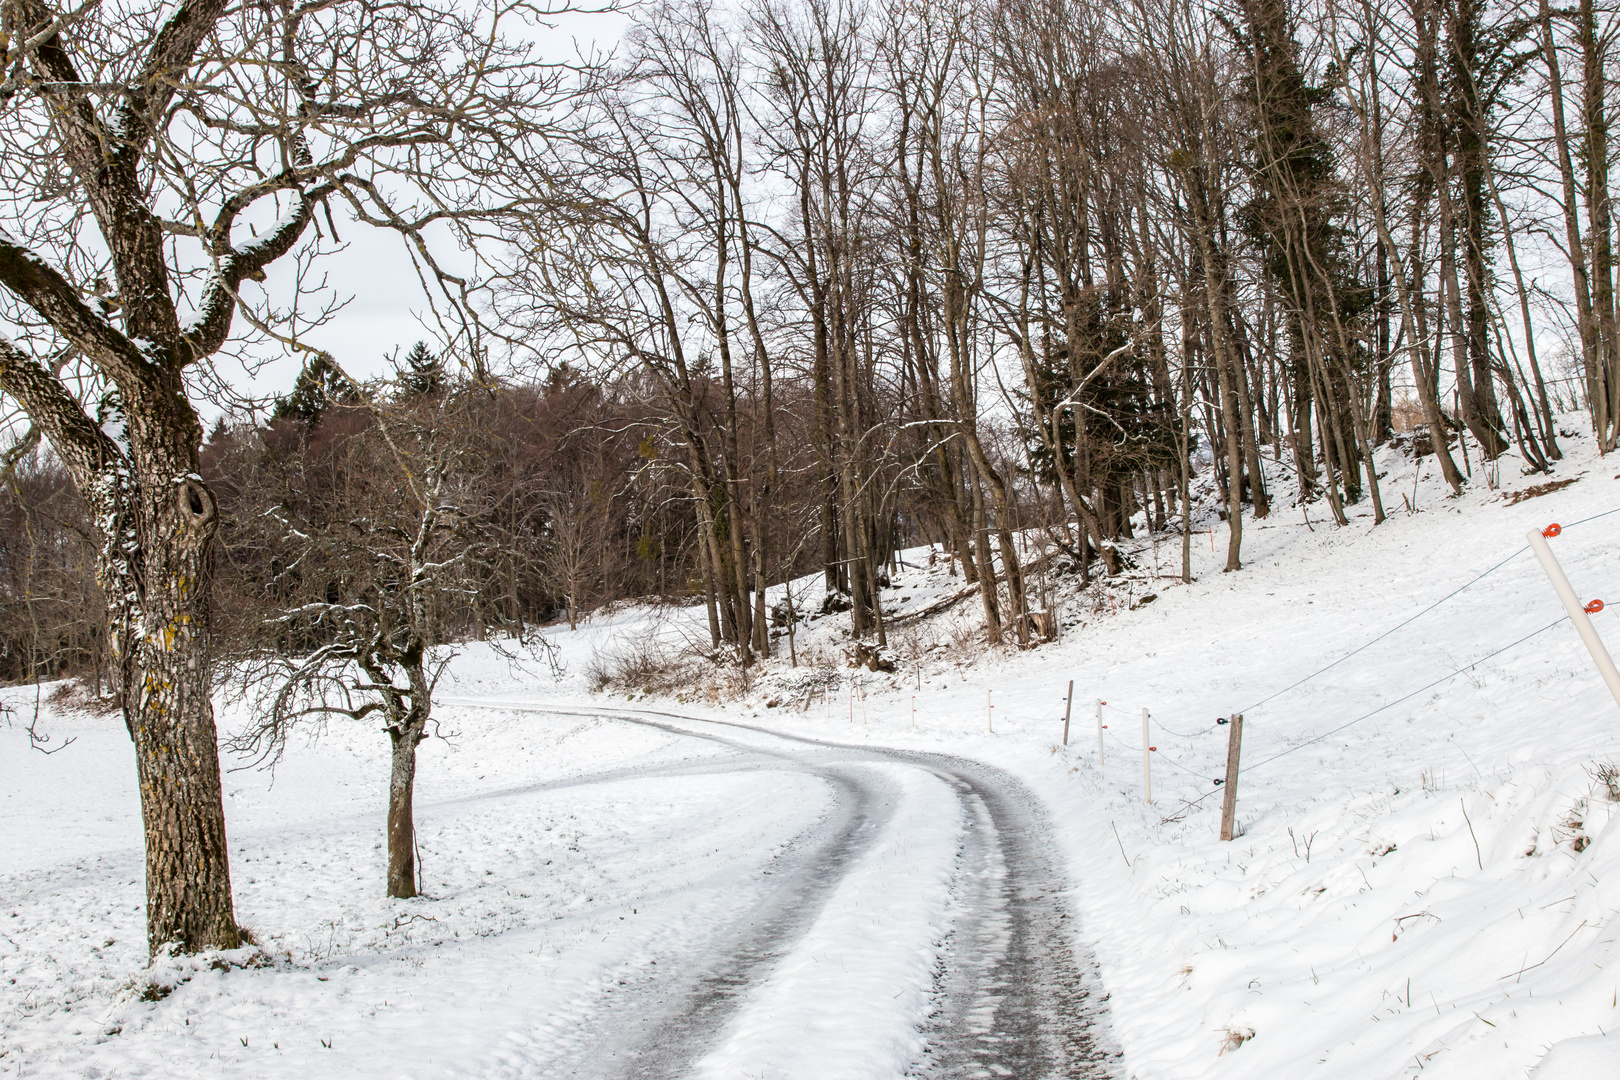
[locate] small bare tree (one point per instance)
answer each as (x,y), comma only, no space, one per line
(378,575)
(566,559)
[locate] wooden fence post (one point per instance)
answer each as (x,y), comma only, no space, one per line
(1229,803)
(1068,705)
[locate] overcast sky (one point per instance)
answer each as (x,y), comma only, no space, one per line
(387,308)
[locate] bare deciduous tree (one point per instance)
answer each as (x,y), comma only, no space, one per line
(379,571)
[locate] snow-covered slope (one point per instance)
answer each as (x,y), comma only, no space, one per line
(1423,882)
(1432,888)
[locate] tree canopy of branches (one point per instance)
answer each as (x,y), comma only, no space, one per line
(1176,226)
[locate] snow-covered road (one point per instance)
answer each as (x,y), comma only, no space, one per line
(609,893)
(916,928)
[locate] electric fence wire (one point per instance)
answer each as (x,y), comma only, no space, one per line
(1405,697)
(1400,625)
(1184,768)
(1159,755)
(1418,615)
(1350,723)
(1594,517)
(1190,803)
(1161,726)
(1126,745)
(1359,649)
(1180,735)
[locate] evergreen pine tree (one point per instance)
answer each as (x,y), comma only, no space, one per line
(421,374)
(319,384)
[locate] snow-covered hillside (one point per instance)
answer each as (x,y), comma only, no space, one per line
(1428,888)
(1427,881)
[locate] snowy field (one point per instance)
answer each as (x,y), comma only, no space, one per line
(1429,890)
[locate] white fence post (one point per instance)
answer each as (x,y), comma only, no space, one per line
(1101,757)
(1147,760)
(1577,613)
(1068,706)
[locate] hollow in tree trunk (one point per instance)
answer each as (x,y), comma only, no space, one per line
(168,707)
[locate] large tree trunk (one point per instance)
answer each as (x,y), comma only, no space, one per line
(168,707)
(156,519)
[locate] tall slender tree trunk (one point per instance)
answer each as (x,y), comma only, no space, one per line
(1599,209)
(1586,324)
(987,567)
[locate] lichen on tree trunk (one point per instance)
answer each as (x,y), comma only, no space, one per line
(168,706)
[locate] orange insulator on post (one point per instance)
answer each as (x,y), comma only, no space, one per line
(1551,531)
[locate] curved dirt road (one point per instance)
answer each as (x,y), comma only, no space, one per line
(1008,995)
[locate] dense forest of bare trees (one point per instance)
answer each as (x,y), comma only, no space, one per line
(798,284)
(827,279)
(904,271)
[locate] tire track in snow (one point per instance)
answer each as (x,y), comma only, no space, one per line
(1015,1000)
(660,1024)
(1010,996)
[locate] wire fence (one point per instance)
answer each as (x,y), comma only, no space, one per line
(1404,697)
(1195,735)
(1160,755)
